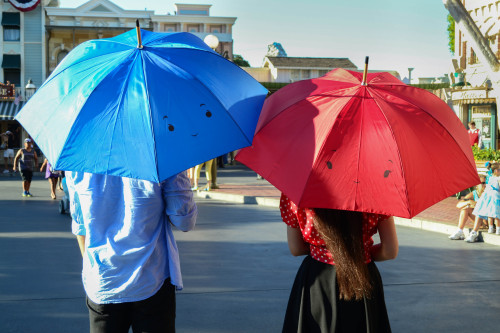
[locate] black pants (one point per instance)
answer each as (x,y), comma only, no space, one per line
(154,314)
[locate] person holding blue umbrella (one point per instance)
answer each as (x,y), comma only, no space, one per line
(124,117)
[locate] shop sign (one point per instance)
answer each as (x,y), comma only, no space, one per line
(7,91)
(469,94)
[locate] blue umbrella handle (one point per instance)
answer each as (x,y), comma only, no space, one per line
(138,29)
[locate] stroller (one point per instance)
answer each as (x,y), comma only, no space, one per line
(64,203)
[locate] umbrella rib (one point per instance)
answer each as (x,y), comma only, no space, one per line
(204,85)
(77,63)
(430,115)
(118,108)
(324,143)
(399,155)
(150,114)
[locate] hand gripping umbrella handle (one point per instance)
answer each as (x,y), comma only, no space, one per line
(363,83)
(138,29)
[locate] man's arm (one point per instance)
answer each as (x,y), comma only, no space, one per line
(77,225)
(179,203)
(18,156)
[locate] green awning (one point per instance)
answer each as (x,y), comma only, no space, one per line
(11,61)
(11,19)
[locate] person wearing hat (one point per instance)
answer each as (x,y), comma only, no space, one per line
(8,154)
(26,157)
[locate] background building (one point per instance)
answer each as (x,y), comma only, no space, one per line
(34,42)
(476,81)
(22,42)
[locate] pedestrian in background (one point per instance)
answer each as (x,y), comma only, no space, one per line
(488,206)
(27,160)
(475,136)
(130,259)
(466,205)
(338,287)
(8,145)
(52,176)
(208,174)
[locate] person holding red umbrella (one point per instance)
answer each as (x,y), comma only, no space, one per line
(348,151)
(337,287)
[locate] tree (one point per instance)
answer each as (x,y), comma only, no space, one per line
(238,60)
(451,34)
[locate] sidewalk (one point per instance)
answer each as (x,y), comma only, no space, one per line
(239,184)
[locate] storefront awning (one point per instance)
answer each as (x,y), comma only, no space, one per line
(475,101)
(9,109)
(11,61)
(11,19)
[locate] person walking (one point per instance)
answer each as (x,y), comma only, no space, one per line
(27,160)
(130,259)
(52,176)
(338,287)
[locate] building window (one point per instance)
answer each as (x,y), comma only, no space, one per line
(61,55)
(322,72)
(11,23)
(11,33)
(306,74)
(169,28)
(12,75)
(473,57)
(193,28)
(216,29)
(295,74)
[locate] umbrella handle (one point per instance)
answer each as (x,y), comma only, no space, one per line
(363,83)
(138,29)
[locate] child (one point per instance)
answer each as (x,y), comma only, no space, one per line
(488,206)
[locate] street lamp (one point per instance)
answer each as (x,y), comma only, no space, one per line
(29,89)
(212,41)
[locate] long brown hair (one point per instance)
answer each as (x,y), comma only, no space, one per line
(342,232)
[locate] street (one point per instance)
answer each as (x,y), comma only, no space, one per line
(237,272)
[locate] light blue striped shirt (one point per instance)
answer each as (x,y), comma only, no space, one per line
(129,245)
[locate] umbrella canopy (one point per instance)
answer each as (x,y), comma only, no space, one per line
(383,147)
(143,111)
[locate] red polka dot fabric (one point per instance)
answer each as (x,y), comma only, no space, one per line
(303,218)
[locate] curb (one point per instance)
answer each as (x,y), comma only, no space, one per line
(416,223)
(239,198)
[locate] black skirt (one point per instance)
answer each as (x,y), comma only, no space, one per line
(314,305)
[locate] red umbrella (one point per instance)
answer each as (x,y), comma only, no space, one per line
(380,146)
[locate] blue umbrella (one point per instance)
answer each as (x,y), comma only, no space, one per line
(142,109)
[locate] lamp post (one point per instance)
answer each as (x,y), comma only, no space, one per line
(212,41)
(29,90)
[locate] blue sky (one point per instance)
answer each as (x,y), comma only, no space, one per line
(396,34)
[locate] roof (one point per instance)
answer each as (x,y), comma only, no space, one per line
(295,62)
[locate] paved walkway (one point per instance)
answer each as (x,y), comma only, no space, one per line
(240,185)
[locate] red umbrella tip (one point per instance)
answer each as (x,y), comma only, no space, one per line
(365,72)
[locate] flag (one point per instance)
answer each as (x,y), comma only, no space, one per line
(24,5)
